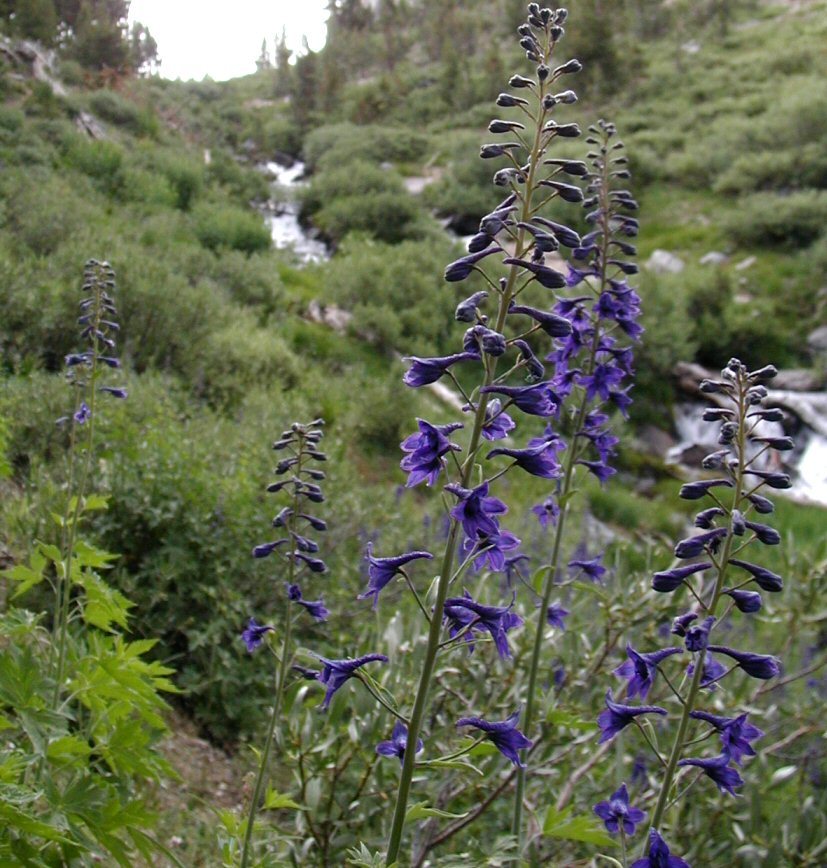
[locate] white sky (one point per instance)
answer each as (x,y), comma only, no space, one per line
(222,38)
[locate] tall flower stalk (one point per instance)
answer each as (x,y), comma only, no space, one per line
(590,366)
(85,370)
(531,181)
(727,528)
(300,445)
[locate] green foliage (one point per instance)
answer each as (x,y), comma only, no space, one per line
(227,226)
(331,146)
(362,197)
(397,293)
(791,221)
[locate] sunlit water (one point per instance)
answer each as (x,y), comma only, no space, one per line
(283,219)
(807,464)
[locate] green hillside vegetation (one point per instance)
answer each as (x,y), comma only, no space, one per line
(724,114)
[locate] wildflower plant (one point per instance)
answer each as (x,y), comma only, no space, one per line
(81,706)
(715,581)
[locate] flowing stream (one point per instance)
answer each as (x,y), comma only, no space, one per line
(282,215)
(807,464)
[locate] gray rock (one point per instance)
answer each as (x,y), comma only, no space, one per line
(744,264)
(798,380)
(817,340)
(664,262)
(714,257)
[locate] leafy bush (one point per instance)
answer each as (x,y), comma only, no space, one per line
(333,145)
(228,226)
(397,294)
(791,221)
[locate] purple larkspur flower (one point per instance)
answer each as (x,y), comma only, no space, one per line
(641,669)
(497,422)
(736,733)
(556,614)
(617,812)
(83,414)
(462,612)
(266,549)
(491,548)
(719,770)
(547,512)
(426,450)
(593,568)
(398,742)
(115,391)
(746,601)
(512,566)
(600,469)
(504,735)
(537,460)
(667,581)
(601,381)
(697,636)
(425,371)
(476,510)
(617,716)
(766,579)
(535,400)
(696,490)
(552,324)
(254,633)
(681,624)
(695,545)
(659,855)
(336,672)
(382,570)
(761,666)
(315,608)
(462,268)
(713,671)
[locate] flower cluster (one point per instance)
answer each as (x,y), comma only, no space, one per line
(99,328)
(715,573)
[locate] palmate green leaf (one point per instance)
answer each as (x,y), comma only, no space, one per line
(563,825)
(421,811)
(27,577)
(361,857)
(89,556)
(104,606)
(274,800)
(67,749)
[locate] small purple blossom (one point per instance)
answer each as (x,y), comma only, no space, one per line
(761,666)
(382,570)
(398,742)
(422,372)
(697,636)
(556,614)
(746,601)
(476,511)
(466,614)
(547,512)
(695,545)
(641,669)
(426,450)
(254,633)
(659,855)
(766,579)
(535,400)
(617,716)
(736,733)
(617,812)
(497,422)
(667,581)
(336,672)
(539,460)
(83,414)
(504,735)
(593,568)
(718,769)
(315,608)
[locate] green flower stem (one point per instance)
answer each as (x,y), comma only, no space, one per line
(279,678)
(435,627)
(71,517)
(554,562)
(689,704)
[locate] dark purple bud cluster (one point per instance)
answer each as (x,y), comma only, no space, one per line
(98,329)
(299,445)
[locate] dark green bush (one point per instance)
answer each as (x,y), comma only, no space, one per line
(220,226)
(331,146)
(790,221)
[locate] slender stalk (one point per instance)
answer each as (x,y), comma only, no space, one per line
(689,704)
(554,561)
(279,676)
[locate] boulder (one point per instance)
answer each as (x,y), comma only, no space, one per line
(664,262)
